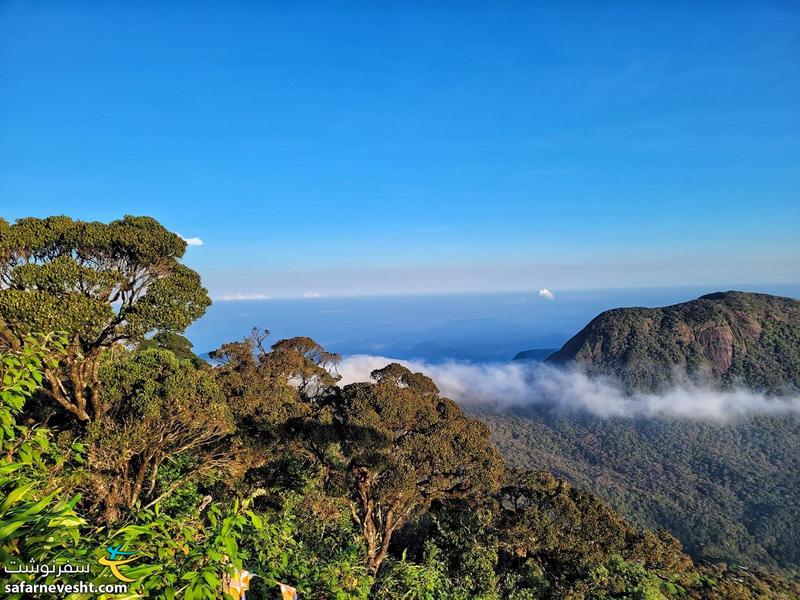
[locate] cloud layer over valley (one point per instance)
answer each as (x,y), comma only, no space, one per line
(525,384)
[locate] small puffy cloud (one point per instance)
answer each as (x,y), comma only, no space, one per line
(191,241)
(311,295)
(545,293)
(235,297)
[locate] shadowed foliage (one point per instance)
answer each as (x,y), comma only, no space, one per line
(159,408)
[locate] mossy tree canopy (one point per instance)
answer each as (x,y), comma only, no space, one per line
(100,284)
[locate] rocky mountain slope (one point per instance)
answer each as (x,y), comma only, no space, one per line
(728,338)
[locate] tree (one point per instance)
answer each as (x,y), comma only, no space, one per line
(306,365)
(547,518)
(278,398)
(100,283)
(175,343)
(388,449)
(271,388)
(40,523)
(160,408)
(404,447)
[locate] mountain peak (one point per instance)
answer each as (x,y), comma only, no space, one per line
(738,338)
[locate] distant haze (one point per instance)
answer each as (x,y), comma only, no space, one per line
(436,328)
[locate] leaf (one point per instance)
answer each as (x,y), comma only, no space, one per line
(15,496)
(39,506)
(211,579)
(9,528)
(258,522)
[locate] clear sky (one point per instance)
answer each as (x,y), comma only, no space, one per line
(341,148)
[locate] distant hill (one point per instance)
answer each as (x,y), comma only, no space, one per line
(470,340)
(537,355)
(728,338)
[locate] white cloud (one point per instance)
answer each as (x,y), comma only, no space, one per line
(545,293)
(311,295)
(515,384)
(234,297)
(191,241)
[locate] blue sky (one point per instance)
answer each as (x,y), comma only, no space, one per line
(379,148)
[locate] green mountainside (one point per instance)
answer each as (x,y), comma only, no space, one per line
(729,491)
(733,338)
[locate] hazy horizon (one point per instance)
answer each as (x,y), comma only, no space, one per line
(490,327)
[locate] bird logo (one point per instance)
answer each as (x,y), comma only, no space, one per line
(116,558)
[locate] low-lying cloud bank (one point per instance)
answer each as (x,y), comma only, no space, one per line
(242,297)
(525,384)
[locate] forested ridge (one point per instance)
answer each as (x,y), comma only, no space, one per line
(114,433)
(729,491)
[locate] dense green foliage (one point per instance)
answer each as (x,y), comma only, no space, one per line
(403,448)
(530,536)
(175,343)
(727,490)
(380,489)
(185,553)
(36,519)
(388,448)
(730,338)
(101,284)
(160,408)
